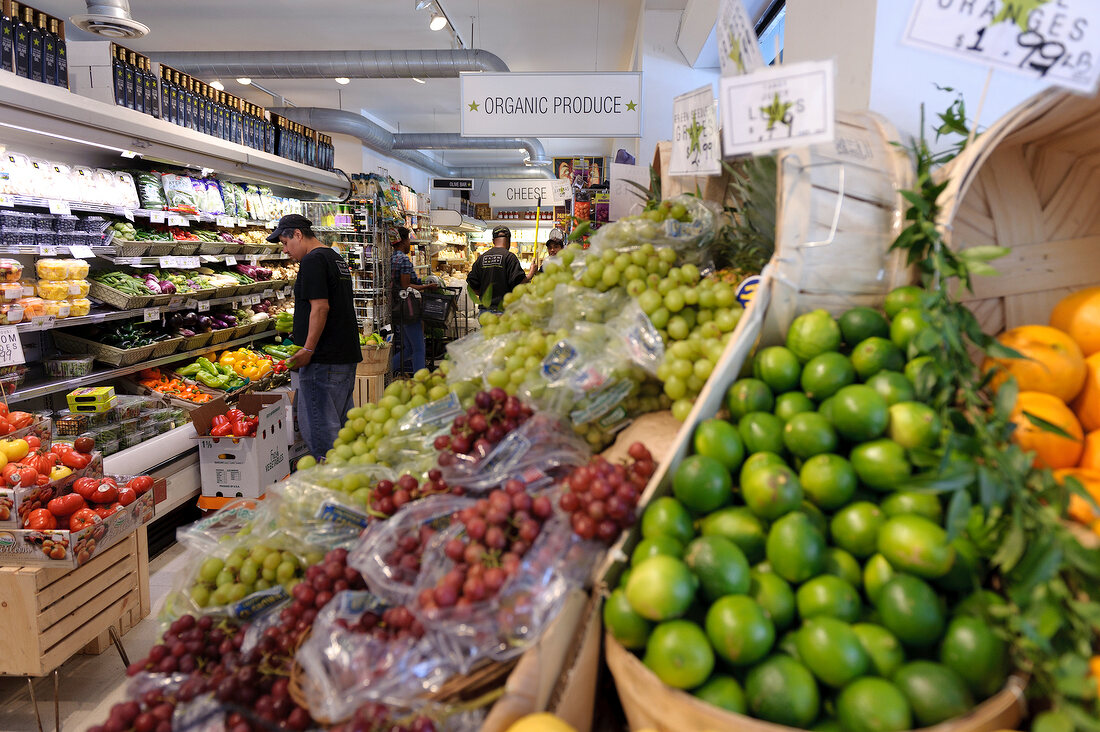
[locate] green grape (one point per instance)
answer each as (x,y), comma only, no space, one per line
(681,408)
(497,377)
(285,572)
(707,299)
(634,288)
(674,301)
(724,296)
(225,577)
(610,277)
(250,571)
(622,261)
(690,273)
(237,592)
(262,584)
(664,371)
(220,596)
(268,574)
(663,268)
(200,595)
(726,320)
(681,368)
(666,255)
(674,276)
(704,316)
(639,257)
(703,368)
(209,570)
(678,328)
(675,388)
(660,317)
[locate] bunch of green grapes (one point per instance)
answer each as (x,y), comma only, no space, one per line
(519,356)
(247,569)
(531,305)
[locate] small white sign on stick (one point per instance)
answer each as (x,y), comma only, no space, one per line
(696,147)
(738,46)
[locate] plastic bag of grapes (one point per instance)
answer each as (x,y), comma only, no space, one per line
(209,532)
(329,500)
(685,223)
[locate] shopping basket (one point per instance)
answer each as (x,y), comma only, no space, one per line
(439,304)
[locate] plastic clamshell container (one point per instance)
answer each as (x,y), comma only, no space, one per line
(67,367)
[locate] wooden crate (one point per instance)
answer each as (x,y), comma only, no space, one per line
(368,389)
(1029,182)
(51,614)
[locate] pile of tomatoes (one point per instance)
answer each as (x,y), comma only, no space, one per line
(92,501)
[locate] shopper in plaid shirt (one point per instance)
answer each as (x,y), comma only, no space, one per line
(409,352)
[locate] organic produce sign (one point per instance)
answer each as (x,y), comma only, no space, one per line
(1052,40)
(779,107)
(696,149)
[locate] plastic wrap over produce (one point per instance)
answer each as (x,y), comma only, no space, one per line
(328,504)
(690,237)
(408,446)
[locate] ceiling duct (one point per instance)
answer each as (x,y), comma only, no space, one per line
(433,64)
(110,18)
(382,140)
(452,141)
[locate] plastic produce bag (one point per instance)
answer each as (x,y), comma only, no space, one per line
(327,505)
(210,532)
(574,304)
(179,193)
(689,239)
(229,198)
(150,191)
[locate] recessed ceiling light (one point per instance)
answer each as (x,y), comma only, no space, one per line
(217,85)
(343,80)
(438,22)
(244,80)
(419,81)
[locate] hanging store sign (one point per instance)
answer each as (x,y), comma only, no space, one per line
(527,193)
(788,106)
(551,105)
(1052,40)
(738,46)
(696,149)
(454,184)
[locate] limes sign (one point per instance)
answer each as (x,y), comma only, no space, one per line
(747,290)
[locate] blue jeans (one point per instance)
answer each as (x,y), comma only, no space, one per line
(409,351)
(325,392)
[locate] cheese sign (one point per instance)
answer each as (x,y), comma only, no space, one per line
(551,105)
(527,193)
(789,106)
(696,149)
(1057,41)
(11,348)
(738,47)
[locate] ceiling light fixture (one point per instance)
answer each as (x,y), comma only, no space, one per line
(421,4)
(419,81)
(244,80)
(342,80)
(438,21)
(217,85)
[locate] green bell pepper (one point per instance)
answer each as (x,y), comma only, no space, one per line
(206,366)
(214,382)
(189,370)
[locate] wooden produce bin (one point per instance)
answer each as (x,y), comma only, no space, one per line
(51,614)
(368,389)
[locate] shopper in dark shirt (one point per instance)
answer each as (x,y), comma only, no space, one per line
(498,268)
(409,354)
(323,371)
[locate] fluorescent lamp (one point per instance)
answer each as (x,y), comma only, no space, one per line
(421,4)
(419,81)
(438,22)
(342,80)
(244,80)
(217,85)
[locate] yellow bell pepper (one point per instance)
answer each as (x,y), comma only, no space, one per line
(228,358)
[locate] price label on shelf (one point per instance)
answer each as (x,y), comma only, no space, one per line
(253,299)
(209,258)
(242,223)
(178,221)
(280,295)
(7,201)
(191,304)
(166,262)
(47,250)
(204,306)
(127,260)
(272,224)
(268,294)
(175,302)
(230,259)
(60,208)
(44,321)
(287,291)
(81,251)
(225,221)
(157,217)
(152,314)
(11,349)
(128,214)
(187,262)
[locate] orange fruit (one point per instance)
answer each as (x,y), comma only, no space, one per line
(1051,450)
(1079,315)
(1052,363)
(1087,403)
(1079,509)
(1090,457)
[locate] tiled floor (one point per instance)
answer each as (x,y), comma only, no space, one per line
(89,685)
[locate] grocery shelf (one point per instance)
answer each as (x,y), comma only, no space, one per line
(49,251)
(54,387)
(336,229)
(8,201)
(192,261)
(145,456)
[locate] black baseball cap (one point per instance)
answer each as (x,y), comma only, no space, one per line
(502,231)
(289,223)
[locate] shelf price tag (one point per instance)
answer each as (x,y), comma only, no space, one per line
(204,306)
(47,250)
(178,221)
(166,262)
(224,221)
(7,201)
(152,314)
(253,299)
(175,302)
(191,304)
(188,262)
(209,258)
(268,294)
(127,260)
(230,259)
(11,349)
(157,217)
(44,321)
(271,224)
(788,106)
(128,214)
(60,208)
(242,222)
(286,291)
(81,251)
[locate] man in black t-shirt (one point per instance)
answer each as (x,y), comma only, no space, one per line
(323,372)
(498,267)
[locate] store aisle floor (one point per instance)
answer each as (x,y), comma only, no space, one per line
(89,685)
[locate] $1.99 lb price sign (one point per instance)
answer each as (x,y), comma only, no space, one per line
(1053,40)
(791,105)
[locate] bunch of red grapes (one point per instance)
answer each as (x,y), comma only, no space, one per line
(395,623)
(404,558)
(152,714)
(499,530)
(488,421)
(187,645)
(602,497)
(387,497)
(375,717)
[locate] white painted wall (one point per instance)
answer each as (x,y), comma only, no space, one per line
(843,30)
(352,157)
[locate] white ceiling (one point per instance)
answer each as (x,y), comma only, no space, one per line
(529,35)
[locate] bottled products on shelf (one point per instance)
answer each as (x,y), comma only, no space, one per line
(33,44)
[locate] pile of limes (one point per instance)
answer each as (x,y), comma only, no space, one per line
(791,576)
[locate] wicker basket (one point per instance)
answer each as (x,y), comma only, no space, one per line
(161,299)
(231,248)
(208,247)
(125,248)
(376,360)
(254,288)
(251,248)
(226,291)
(107,354)
(242,330)
(196,341)
(160,249)
(166,348)
(117,299)
(185,249)
(221,336)
(202,294)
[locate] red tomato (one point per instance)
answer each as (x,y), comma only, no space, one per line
(66,505)
(84,518)
(41,519)
(104,493)
(19,420)
(105,512)
(84,444)
(126,496)
(86,486)
(141,484)
(33,442)
(3,409)
(20,474)
(75,460)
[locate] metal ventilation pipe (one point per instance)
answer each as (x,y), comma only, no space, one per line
(382,140)
(332,64)
(452,141)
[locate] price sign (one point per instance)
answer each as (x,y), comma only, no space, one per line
(178,221)
(253,299)
(696,149)
(738,47)
(47,250)
(11,349)
(268,294)
(166,262)
(60,208)
(792,105)
(152,314)
(230,259)
(128,214)
(127,260)
(44,321)
(209,258)
(280,295)
(175,302)
(242,222)
(7,201)
(81,251)
(286,291)
(271,224)
(157,217)
(224,221)
(189,262)
(191,304)
(1052,40)
(204,306)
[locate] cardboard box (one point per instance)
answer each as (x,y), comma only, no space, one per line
(243,466)
(287,398)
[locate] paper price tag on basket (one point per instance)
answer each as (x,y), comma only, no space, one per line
(1054,41)
(157,217)
(224,221)
(792,105)
(60,208)
(204,306)
(7,201)
(11,349)
(152,314)
(81,251)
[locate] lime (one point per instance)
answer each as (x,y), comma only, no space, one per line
(792,403)
(910,609)
(935,692)
(723,692)
(774,595)
(739,629)
(921,504)
(788,644)
(891,386)
(828,480)
(881,464)
(859,413)
(966,573)
(702,483)
(777,367)
(817,518)
(761,432)
(855,527)
(749,395)
(809,434)
(905,327)
(718,439)
(812,334)
(666,516)
(628,627)
(919,369)
(659,544)
(901,298)
(914,544)
(978,603)
(825,374)
(720,566)
(795,549)
(876,573)
(741,526)
(771,491)
(874,355)
(873,705)
(828,596)
(825,409)
(840,563)
(977,654)
(678,652)
(783,691)
(881,647)
(831,650)
(913,425)
(759,460)
(1053,721)
(861,323)
(661,588)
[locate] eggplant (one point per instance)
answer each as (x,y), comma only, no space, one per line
(205,323)
(186,333)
